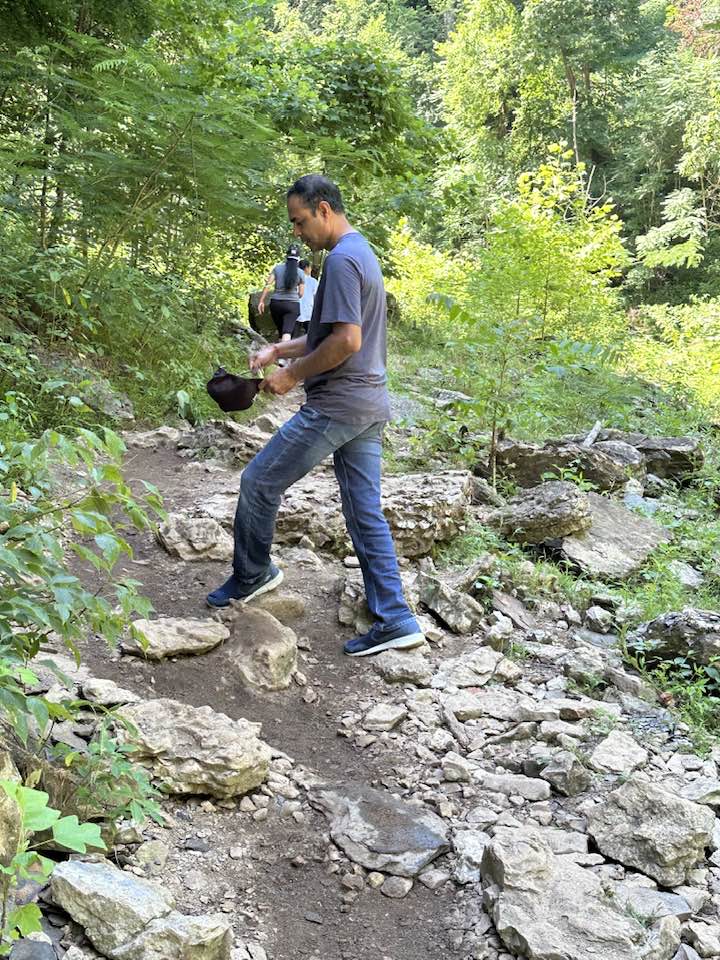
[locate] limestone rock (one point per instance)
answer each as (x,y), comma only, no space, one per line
(384,716)
(679,633)
(128,918)
(106,693)
(422,509)
(547,512)
(617,543)
(174,637)
(195,538)
(513,785)
(473,669)
(353,610)
(113,906)
(381,833)
(469,845)
(607,469)
(546,907)
(396,887)
(646,827)
(705,937)
(234,443)
(152,439)
(263,650)
(566,774)
(176,935)
(285,605)
(618,753)
(458,611)
(194,750)
(665,457)
(398,666)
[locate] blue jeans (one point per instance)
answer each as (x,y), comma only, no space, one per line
(298,446)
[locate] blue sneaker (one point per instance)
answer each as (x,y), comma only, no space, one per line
(377,640)
(233,589)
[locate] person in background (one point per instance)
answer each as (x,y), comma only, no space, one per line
(289,282)
(308,298)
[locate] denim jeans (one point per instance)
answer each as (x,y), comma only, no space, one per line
(298,446)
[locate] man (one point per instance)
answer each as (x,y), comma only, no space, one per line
(307,299)
(342,364)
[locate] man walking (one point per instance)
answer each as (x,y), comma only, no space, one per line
(342,364)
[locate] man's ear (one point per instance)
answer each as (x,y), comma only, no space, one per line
(324,209)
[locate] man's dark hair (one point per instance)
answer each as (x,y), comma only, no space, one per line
(312,188)
(304,264)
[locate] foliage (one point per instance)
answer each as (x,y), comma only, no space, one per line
(35,816)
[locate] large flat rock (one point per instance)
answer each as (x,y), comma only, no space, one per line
(617,543)
(381,833)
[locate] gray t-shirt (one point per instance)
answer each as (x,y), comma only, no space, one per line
(281,291)
(351,290)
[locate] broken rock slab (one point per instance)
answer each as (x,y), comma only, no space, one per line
(195,538)
(262,649)
(607,469)
(456,610)
(644,826)
(545,907)
(618,753)
(194,750)
(128,918)
(398,666)
(106,693)
(174,637)
(679,633)
(547,512)
(617,543)
(380,832)
(422,510)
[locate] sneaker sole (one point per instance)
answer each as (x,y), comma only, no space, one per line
(401,643)
(265,588)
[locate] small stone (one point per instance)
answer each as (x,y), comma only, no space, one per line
(396,887)
(434,878)
(375,879)
(384,716)
(237,853)
(312,917)
(618,753)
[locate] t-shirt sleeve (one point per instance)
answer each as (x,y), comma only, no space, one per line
(342,297)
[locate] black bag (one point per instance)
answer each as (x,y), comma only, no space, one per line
(231,392)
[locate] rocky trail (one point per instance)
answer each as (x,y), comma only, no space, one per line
(466,800)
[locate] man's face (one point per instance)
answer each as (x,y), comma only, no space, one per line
(312,228)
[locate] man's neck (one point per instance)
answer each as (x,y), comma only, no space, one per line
(342,228)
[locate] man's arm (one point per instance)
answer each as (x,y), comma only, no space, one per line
(345,339)
(266,290)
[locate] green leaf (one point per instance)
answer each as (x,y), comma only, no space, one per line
(26,919)
(77,836)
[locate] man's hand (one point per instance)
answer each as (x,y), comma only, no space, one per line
(279,381)
(264,357)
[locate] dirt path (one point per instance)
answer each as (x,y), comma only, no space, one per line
(280,887)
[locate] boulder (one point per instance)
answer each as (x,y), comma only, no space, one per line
(547,512)
(194,750)
(128,918)
(152,439)
(617,542)
(195,538)
(173,637)
(665,457)
(645,827)
(263,650)
(422,510)
(527,464)
(380,832)
(473,669)
(546,907)
(285,605)
(679,633)
(233,443)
